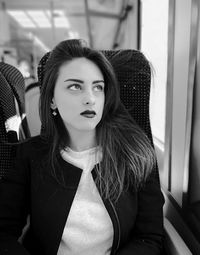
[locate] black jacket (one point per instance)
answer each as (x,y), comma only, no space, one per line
(137,217)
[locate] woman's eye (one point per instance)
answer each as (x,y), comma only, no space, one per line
(99,88)
(74,87)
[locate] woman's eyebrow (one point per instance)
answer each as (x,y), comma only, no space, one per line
(80,81)
(76,80)
(97,81)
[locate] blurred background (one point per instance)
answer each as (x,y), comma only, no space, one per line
(29,28)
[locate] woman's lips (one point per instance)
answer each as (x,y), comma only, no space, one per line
(88,114)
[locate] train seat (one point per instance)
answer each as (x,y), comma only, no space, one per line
(13,123)
(134,76)
(13,77)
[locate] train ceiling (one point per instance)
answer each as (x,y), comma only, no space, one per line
(47,22)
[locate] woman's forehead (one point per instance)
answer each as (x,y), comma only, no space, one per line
(79,68)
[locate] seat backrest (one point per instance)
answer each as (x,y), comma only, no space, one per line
(16,81)
(13,123)
(134,76)
(8,111)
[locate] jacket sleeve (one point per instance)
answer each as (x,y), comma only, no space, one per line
(147,237)
(13,206)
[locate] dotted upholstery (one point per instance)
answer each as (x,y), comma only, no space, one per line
(6,100)
(134,77)
(6,152)
(12,105)
(16,81)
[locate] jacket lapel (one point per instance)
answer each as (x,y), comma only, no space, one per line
(51,205)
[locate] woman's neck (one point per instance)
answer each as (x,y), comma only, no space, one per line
(81,141)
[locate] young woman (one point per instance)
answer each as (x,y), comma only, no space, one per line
(87,181)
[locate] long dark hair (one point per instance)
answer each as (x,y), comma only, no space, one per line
(128,156)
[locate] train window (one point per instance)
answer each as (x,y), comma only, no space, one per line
(154,44)
(182,111)
(169,31)
(194,177)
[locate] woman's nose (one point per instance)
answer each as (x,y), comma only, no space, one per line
(89,98)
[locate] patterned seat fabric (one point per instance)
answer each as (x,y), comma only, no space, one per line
(13,124)
(16,81)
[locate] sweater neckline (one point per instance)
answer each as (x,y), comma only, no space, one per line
(81,154)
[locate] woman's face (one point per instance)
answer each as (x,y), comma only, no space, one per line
(79,95)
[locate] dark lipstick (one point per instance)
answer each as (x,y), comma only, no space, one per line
(88,114)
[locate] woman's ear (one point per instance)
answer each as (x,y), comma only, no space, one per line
(53,104)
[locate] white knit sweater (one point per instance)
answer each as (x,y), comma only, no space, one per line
(88,230)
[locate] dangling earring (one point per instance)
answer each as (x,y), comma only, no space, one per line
(53,108)
(54,112)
